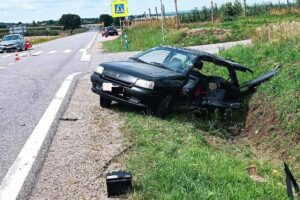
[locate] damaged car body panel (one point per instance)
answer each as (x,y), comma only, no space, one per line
(163,77)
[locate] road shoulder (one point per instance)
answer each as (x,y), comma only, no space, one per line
(86,139)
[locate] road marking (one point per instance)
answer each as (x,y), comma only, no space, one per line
(68,51)
(22,54)
(91,42)
(6,56)
(82,50)
(85,57)
(37,53)
(10,64)
(52,52)
(15,177)
(2,67)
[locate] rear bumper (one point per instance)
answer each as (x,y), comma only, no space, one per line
(132,96)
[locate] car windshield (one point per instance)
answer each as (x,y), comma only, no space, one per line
(177,61)
(10,37)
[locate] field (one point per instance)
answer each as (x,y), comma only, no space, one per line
(148,34)
(40,39)
(190,157)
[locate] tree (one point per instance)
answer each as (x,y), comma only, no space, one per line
(106,19)
(231,10)
(298,3)
(70,21)
(237,7)
(34,23)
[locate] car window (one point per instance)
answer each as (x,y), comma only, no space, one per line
(10,37)
(179,62)
(158,56)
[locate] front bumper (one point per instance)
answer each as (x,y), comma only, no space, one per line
(130,95)
(8,48)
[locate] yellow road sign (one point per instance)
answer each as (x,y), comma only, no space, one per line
(119,8)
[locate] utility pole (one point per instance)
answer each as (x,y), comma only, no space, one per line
(162,21)
(164,11)
(245,8)
(149,13)
(212,11)
(156,12)
(177,17)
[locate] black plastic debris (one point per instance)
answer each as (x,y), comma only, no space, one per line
(118,183)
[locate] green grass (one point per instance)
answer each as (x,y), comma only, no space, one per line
(144,37)
(183,157)
(172,160)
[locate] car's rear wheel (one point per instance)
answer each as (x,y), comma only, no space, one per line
(164,107)
(104,102)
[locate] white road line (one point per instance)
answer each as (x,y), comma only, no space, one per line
(68,51)
(6,56)
(52,52)
(37,53)
(85,57)
(10,64)
(2,67)
(15,177)
(91,42)
(82,50)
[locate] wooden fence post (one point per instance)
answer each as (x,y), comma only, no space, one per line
(177,18)
(212,11)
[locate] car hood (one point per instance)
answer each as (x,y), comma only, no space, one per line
(10,42)
(139,70)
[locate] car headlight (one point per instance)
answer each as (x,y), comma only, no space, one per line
(145,84)
(99,69)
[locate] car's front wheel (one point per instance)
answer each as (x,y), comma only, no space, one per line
(105,103)
(164,107)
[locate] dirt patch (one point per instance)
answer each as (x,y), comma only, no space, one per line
(87,138)
(221,34)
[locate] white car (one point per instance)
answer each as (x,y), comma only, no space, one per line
(12,42)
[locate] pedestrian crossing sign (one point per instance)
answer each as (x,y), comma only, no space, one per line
(119,8)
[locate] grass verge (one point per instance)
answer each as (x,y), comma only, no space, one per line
(183,157)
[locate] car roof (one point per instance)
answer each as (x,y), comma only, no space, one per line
(13,35)
(205,56)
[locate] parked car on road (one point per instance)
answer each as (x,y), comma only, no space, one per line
(164,77)
(12,42)
(109,31)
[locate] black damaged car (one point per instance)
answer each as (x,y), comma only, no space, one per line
(163,77)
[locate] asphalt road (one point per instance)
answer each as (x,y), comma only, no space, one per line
(28,86)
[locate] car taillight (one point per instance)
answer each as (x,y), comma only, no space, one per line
(199,91)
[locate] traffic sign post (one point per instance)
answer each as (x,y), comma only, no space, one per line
(119,8)
(126,40)
(17,29)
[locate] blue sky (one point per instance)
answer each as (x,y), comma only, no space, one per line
(29,10)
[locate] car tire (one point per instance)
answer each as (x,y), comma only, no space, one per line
(105,103)
(164,107)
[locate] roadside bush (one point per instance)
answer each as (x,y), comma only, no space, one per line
(229,11)
(276,32)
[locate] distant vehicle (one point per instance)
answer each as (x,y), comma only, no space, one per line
(109,31)
(12,42)
(164,77)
